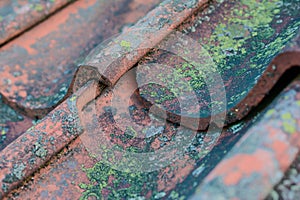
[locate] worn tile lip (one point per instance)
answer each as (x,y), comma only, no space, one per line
(285,61)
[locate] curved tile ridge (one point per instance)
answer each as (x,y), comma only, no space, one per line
(241,47)
(283,62)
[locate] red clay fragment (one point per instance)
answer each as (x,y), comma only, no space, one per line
(17,16)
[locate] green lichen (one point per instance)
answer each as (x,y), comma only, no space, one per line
(73,98)
(270,112)
(242,45)
(3,132)
(16,174)
(39,150)
(248,19)
(122,185)
(289,123)
(125,44)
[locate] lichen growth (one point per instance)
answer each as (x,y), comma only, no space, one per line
(125,44)
(118,185)
(16,174)
(247,37)
(289,123)
(39,7)
(39,150)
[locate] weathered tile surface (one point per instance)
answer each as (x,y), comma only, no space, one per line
(19,15)
(254,151)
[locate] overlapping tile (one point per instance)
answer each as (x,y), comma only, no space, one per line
(232,42)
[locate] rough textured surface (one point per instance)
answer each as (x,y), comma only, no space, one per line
(246,155)
(17,16)
(36,69)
